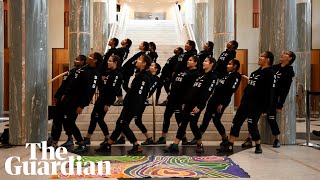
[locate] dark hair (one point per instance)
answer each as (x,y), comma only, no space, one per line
(210,45)
(195,58)
(153,45)
(212,60)
(235,43)
(158,68)
(147,59)
(270,56)
(116,42)
(237,63)
(146,45)
(116,58)
(98,57)
(83,58)
(129,43)
(293,56)
(193,44)
(180,49)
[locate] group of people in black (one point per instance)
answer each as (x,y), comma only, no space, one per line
(193,81)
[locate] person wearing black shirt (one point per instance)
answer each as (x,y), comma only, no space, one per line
(129,66)
(206,52)
(225,57)
(122,52)
(256,101)
(111,83)
(221,98)
(113,43)
(79,62)
(76,96)
(190,48)
(152,52)
(180,85)
(166,74)
(134,104)
(194,102)
(284,73)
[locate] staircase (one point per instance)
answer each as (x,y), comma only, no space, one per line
(163,34)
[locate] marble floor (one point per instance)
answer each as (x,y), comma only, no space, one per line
(287,162)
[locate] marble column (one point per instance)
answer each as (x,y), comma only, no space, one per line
(28,23)
(223,30)
(79,29)
(100,25)
(201,22)
(281,24)
(1,60)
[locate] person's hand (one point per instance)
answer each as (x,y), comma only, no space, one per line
(106,108)
(244,76)
(264,114)
(219,108)
(279,109)
(183,105)
(103,77)
(62,97)
(195,110)
(79,110)
(55,100)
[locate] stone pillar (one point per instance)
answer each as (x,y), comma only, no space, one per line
(223,31)
(280,23)
(79,29)
(1,60)
(28,71)
(201,22)
(100,25)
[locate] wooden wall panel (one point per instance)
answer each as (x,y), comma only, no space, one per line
(242,56)
(315,78)
(60,60)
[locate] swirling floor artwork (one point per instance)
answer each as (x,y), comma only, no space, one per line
(166,167)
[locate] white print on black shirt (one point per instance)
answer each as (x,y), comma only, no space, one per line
(223,56)
(141,87)
(94,82)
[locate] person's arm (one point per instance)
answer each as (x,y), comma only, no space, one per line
(231,85)
(207,90)
(284,90)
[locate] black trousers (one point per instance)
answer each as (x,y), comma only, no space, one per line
(211,113)
(163,82)
(97,116)
(172,107)
(122,125)
(65,115)
(189,116)
(271,117)
(126,78)
(138,122)
(253,118)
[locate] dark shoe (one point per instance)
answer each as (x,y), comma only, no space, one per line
(54,145)
(164,103)
(86,141)
(118,103)
(106,147)
(173,148)
(80,149)
(49,141)
(121,140)
(226,148)
(161,140)
(276,143)
(193,142)
(105,141)
(200,148)
(258,149)
(135,149)
(316,133)
(224,142)
(68,143)
(149,141)
(247,143)
(185,141)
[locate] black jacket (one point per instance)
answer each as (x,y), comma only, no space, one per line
(82,87)
(182,83)
(154,56)
(182,61)
(284,79)
(169,67)
(129,66)
(202,56)
(122,52)
(225,88)
(154,84)
(103,66)
(111,84)
(260,90)
(67,78)
(223,61)
(136,97)
(201,90)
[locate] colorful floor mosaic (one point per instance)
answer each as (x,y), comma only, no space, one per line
(167,166)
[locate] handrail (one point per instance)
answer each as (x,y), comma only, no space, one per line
(191,35)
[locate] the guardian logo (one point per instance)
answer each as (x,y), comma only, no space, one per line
(68,166)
